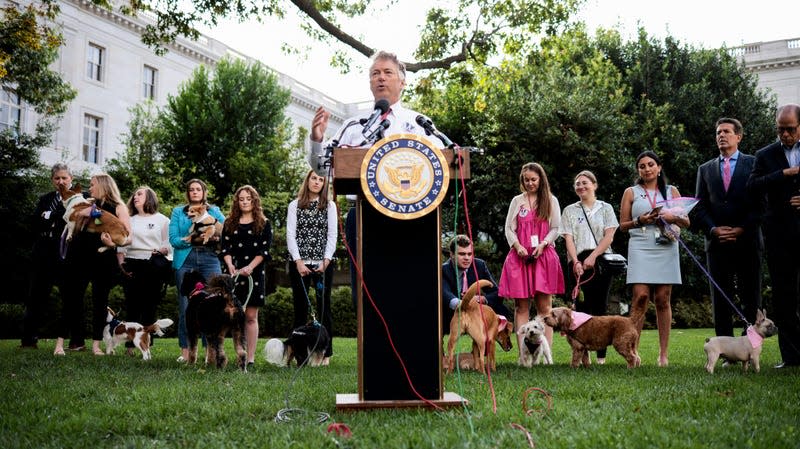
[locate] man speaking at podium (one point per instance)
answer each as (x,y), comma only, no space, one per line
(387,78)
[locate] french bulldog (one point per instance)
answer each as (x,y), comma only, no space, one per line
(746,348)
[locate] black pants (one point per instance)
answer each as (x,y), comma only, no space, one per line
(84,265)
(737,270)
(47,272)
(595,292)
(784,271)
(322,284)
(142,291)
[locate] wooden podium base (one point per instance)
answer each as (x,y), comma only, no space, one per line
(351,402)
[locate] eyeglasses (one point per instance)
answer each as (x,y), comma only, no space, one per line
(789,129)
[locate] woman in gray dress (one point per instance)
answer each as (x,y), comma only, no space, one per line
(653,263)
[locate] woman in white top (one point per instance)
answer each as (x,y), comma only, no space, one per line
(143,279)
(588,228)
(532,268)
(311,240)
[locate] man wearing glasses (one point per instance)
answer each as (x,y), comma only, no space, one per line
(775,176)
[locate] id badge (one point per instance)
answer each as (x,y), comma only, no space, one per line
(534,241)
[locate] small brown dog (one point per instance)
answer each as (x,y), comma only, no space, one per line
(598,332)
(744,349)
(470,322)
(204,226)
(74,203)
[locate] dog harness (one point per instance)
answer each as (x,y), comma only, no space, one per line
(113,325)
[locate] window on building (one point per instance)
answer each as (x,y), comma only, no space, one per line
(92,133)
(95,62)
(150,78)
(10,110)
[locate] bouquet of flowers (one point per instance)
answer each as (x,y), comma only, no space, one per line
(680,206)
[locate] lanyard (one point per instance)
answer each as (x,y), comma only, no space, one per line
(651,201)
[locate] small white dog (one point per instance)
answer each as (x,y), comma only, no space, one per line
(534,349)
(117,332)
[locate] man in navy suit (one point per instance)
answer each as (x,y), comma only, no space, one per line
(775,176)
(461,264)
(46,263)
(729,218)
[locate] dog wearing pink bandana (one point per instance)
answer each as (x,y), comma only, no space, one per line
(483,325)
(746,348)
(591,333)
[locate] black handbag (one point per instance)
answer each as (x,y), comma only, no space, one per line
(610,264)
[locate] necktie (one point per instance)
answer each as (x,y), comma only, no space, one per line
(464,281)
(726,173)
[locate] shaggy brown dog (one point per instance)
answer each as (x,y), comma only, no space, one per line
(74,203)
(598,333)
(482,331)
(204,226)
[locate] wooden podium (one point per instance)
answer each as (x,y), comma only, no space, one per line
(400,261)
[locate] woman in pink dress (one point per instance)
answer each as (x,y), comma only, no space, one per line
(532,268)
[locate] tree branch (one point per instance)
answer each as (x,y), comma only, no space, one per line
(308,8)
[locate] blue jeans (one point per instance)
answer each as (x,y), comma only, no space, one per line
(205,261)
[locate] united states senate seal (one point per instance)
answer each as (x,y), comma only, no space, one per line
(404,176)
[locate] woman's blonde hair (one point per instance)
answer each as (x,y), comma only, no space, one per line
(107,190)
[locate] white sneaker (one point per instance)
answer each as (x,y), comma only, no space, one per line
(180,359)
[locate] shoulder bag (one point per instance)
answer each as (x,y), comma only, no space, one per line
(611,264)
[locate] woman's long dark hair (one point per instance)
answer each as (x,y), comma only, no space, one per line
(661,179)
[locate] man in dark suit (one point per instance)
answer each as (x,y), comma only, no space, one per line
(729,218)
(48,221)
(463,265)
(775,175)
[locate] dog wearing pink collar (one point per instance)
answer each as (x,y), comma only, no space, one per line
(591,333)
(746,348)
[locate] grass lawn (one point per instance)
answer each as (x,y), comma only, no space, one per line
(82,401)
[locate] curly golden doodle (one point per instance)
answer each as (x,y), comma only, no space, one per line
(744,349)
(74,203)
(204,226)
(482,331)
(590,333)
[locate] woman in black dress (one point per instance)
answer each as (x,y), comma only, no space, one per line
(246,238)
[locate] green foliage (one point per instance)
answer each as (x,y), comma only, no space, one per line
(579,102)
(226,127)
(142,161)
(27,48)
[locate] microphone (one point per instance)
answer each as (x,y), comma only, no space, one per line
(377,133)
(381,106)
(324,160)
(427,125)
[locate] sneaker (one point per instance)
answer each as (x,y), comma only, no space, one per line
(180,359)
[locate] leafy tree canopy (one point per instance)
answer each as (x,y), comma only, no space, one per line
(225,126)
(453,32)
